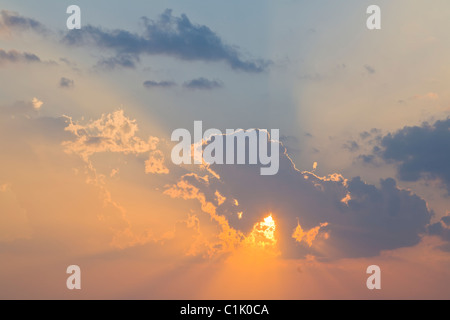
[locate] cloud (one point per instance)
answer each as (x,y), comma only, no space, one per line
(37,104)
(14,56)
(158,84)
(373,218)
(113,132)
(66,83)
(13,21)
(202,84)
(308,236)
(220,198)
(441,228)
(367,158)
(329,217)
(419,152)
(263,235)
(168,35)
(352,146)
(155,163)
(370,219)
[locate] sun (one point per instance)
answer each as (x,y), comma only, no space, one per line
(269,227)
(263,233)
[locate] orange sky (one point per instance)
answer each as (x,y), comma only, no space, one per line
(86,176)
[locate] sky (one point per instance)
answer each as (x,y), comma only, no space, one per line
(87,179)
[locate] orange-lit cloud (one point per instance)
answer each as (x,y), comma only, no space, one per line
(346,199)
(307,236)
(229,238)
(263,233)
(220,198)
(117,134)
(155,163)
(113,132)
(37,104)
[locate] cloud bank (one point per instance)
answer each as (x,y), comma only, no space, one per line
(168,35)
(13,56)
(328,217)
(419,152)
(13,21)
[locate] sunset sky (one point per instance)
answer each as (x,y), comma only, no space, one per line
(86,176)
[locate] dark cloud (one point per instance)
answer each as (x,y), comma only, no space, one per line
(168,35)
(367,158)
(66,83)
(11,20)
(363,219)
(14,56)
(420,152)
(441,228)
(202,84)
(352,146)
(159,84)
(446,220)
